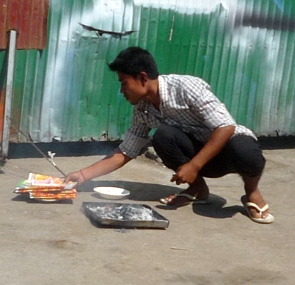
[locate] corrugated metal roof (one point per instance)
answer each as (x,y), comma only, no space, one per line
(243,48)
(28,18)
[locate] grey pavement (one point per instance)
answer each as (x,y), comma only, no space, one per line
(55,243)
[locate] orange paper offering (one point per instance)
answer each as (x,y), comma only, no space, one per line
(49,181)
(47,188)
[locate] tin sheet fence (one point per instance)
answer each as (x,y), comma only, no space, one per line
(243,48)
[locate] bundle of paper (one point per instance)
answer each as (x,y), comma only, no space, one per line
(47,188)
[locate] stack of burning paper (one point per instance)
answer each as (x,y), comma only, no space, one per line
(46,188)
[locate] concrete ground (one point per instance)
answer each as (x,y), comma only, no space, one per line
(55,243)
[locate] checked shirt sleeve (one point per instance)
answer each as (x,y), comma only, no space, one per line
(212,111)
(136,137)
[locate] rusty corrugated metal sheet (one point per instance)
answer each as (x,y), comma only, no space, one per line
(28,18)
(243,48)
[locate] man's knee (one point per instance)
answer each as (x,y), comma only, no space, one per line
(249,159)
(163,133)
(173,146)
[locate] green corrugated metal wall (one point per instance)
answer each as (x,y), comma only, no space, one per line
(243,48)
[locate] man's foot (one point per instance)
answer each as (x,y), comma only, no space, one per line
(186,197)
(256,213)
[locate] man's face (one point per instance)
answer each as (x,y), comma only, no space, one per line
(133,88)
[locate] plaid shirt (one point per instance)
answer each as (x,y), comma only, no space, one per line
(186,103)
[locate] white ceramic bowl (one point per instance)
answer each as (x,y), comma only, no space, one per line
(112,192)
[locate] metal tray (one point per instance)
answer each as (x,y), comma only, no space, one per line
(122,215)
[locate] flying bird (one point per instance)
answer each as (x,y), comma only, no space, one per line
(101,32)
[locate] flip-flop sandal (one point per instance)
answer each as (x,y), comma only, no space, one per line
(267,220)
(192,200)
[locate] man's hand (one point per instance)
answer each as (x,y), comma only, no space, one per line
(186,173)
(75,177)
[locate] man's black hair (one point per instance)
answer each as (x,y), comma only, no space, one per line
(134,60)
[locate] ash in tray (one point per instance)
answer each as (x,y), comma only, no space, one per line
(124,212)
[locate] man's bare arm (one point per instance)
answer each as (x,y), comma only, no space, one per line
(188,172)
(107,165)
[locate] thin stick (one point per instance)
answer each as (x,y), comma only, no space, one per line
(40,151)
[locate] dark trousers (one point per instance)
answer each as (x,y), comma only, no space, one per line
(242,154)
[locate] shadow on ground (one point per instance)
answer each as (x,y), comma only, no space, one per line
(153,192)
(215,209)
(139,191)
